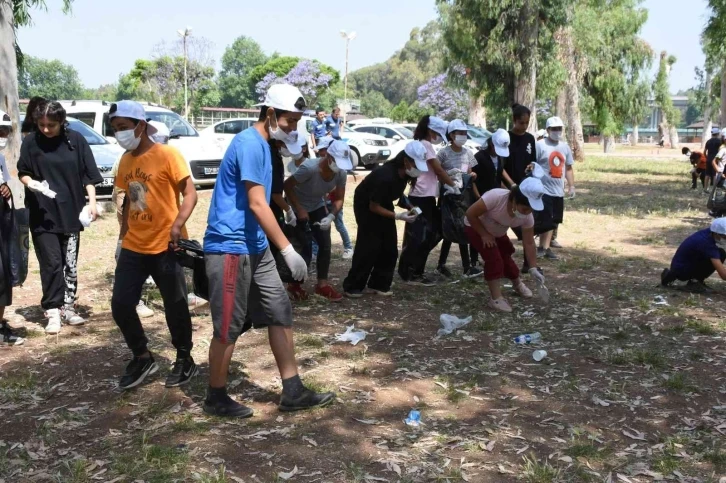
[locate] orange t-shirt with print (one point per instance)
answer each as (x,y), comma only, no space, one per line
(151,182)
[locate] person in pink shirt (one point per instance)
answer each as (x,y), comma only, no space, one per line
(430,130)
(487,222)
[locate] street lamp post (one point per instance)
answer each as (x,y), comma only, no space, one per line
(187,32)
(348,37)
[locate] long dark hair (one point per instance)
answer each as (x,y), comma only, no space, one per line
(55,112)
(421,132)
(399,163)
(29,121)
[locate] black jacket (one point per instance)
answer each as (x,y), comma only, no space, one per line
(488,176)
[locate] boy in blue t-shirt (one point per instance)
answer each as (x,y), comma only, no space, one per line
(245,289)
(698,257)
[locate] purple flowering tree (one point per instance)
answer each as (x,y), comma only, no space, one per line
(306,76)
(447,102)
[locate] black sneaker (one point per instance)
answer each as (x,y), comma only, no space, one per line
(136,372)
(226,407)
(307,400)
(181,372)
(473,272)
(9,337)
(698,286)
(443,271)
(550,255)
(665,278)
(421,281)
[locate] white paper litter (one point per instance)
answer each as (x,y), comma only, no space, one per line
(351,335)
(450,323)
(660,300)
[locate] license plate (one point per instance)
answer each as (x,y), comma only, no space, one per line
(385,153)
(209,171)
(107,182)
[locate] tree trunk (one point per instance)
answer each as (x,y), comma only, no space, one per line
(477,111)
(9,97)
(561,104)
(608,144)
(674,137)
(572,98)
(525,85)
(722,124)
(635,134)
(707,110)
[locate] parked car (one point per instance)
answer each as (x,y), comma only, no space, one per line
(203,154)
(367,150)
(104,152)
(396,135)
(224,131)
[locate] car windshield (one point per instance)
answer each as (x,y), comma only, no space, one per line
(92,137)
(176,124)
(406,132)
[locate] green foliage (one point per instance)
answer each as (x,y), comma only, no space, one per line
(374,104)
(22,8)
(238,62)
(51,79)
(106,92)
(661,90)
(400,112)
(715,32)
(279,66)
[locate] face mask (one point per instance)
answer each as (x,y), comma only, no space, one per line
(333,167)
(519,215)
(460,140)
(413,172)
(3,143)
(128,140)
(721,244)
(555,135)
(436,139)
(285,153)
(280,135)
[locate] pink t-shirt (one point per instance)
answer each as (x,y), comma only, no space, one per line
(496,219)
(428,183)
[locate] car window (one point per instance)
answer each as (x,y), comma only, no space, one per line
(364,129)
(405,132)
(89,118)
(219,128)
(107,129)
(389,133)
(92,137)
(176,124)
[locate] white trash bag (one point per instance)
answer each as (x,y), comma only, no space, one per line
(450,323)
(351,335)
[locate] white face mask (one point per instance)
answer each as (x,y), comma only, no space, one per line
(555,135)
(3,143)
(460,140)
(519,215)
(128,140)
(413,172)
(333,166)
(285,153)
(280,135)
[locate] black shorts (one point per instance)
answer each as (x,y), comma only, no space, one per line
(551,216)
(709,169)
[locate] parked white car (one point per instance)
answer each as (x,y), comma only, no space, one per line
(367,150)
(203,154)
(396,135)
(224,131)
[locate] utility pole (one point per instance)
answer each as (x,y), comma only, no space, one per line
(348,37)
(184,34)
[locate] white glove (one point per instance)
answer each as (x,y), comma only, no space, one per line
(451,190)
(537,275)
(290,218)
(298,267)
(572,192)
(325,222)
(118,249)
(406,216)
(41,187)
(85,217)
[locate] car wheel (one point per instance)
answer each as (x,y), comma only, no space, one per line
(355,159)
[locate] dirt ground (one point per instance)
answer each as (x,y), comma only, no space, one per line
(633,388)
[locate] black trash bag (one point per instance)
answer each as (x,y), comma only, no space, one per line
(191,256)
(297,240)
(453,212)
(16,234)
(717,197)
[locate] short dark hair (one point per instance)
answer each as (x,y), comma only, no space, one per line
(336,108)
(519,111)
(54,111)
(518,197)
(686,151)
(263,113)
(319,109)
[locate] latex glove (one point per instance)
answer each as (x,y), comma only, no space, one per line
(85,217)
(41,187)
(572,192)
(537,275)
(405,216)
(290,218)
(298,267)
(451,190)
(118,249)
(325,222)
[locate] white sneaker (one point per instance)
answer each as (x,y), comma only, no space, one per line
(143,311)
(54,321)
(150,282)
(347,254)
(193,301)
(71,318)
(523,290)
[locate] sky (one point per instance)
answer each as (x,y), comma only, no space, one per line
(102,39)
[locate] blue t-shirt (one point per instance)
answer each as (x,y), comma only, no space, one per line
(333,125)
(319,128)
(697,248)
(231,225)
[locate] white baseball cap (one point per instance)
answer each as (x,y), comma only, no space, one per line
(438,125)
(416,151)
(500,139)
(162,133)
(131,110)
(715,130)
(537,170)
(541,133)
(285,97)
(719,226)
(555,122)
(296,147)
(324,143)
(723,133)
(340,151)
(5,119)
(456,125)
(532,188)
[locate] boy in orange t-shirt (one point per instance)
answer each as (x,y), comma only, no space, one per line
(698,161)
(153,176)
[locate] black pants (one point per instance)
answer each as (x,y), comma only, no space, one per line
(414,255)
(699,173)
(58,260)
(131,272)
(698,270)
(375,253)
(306,231)
(468,254)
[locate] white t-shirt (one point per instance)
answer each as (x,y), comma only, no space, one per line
(427,184)
(721,159)
(4,173)
(554,157)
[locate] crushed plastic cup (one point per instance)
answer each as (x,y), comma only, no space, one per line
(538,355)
(450,323)
(351,335)
(413,419)
(542,291)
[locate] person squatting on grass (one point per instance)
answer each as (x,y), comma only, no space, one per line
(61,157)
(698,256)
(154,176)
(245,288)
